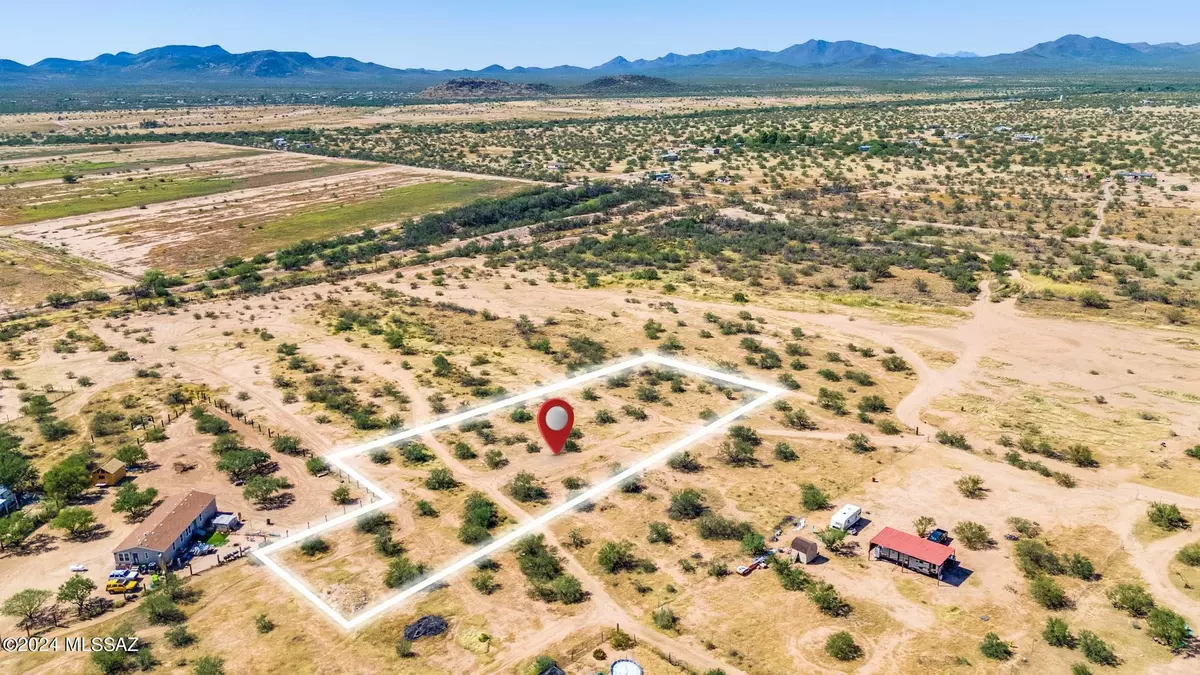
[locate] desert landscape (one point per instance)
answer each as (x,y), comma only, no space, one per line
(970,316)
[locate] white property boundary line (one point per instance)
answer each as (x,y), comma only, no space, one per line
(336,459)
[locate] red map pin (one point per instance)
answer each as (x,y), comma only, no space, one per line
(555,419)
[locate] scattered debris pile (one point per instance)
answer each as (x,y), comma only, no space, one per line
(426,626)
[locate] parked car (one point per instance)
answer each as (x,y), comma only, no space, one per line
(121,585)
(938,536)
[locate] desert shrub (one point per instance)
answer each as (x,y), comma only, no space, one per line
(753,544)
(1080,567)
(973,535)
(827,599)
(1131,598)
(1095,649)
(402,571)
(785,453)
(526,488)
(842,647)
(615,557)
(1024,526)
(1168,627)
(687,504)
(859,443)
(1047,593)
(971,486)
(712,526)
(994,648)
(494,459)
(799,419)
(484,581)
(621,641)
(831,537)
(664,618)
(923,525)
(263,624)
(463,451)
(316,465)
(480,515)
(1093,299)
(404,648)
(1034,558)
(813,498)
(441,479)
(791,578)
(660,533)
(684,462)
(833,401)
(872,404)
(1056,633)
(1166,516)
(158,608)
(416,453)
(314,546)
(1080,455)
(179,636)
(373,523)
(953,440)
(1189,555)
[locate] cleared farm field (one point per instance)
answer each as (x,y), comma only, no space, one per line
(91,163)
(138,186)
(393,205)
(185,206)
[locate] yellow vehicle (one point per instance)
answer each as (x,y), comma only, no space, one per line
(121,585)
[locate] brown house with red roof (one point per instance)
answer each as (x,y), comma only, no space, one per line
(910,551)
(168,531)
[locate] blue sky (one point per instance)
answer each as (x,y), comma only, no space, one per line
(473,34)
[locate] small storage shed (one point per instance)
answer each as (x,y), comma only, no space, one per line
(912,552)
(109,473)
(226,522)
(803,551)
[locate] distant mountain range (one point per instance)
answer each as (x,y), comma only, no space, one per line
(214,66)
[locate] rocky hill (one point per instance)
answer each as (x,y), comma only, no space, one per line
(628,84)
(478,87)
